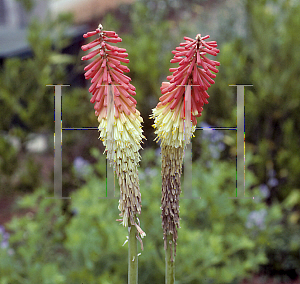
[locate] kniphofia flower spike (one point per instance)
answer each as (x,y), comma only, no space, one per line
(194,70)
(107,74)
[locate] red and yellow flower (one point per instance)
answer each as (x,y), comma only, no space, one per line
(106,72)
(194,70)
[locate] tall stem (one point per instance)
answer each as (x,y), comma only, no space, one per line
(132,256)
(170,261)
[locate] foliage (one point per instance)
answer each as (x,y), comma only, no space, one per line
(23,82)
(267,57)
(221,240)
(26,103)
(27,4)
(283,250)
(278,115)
(270,62)
(18,171)
(35,251)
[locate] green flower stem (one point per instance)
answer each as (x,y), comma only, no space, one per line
(170,261)
(132,256)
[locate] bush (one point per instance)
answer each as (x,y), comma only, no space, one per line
(221,240)
(35,252)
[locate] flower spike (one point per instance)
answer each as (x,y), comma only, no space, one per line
(194,71)
(110,87)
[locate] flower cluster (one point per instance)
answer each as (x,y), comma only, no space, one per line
(4,238)
(4,241)
(257,219)
(194,69)
(106,72)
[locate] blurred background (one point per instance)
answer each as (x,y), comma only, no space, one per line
(221,240)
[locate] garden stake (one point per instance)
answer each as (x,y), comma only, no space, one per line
(175,127)
(120,129)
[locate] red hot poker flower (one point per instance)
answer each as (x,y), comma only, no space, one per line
(107,69)
(194,69)
(107,76)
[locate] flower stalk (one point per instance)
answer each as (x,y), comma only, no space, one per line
(170,261)
(182,100)
(132,255)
